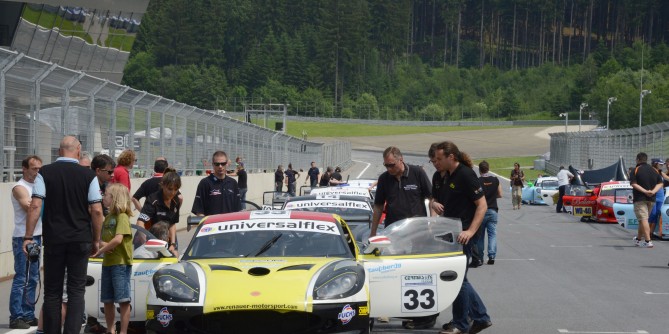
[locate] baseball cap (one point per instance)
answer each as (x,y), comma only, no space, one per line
(657,161)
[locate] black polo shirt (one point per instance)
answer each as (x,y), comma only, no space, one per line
(647,177)
(290,174)
(215,196)
(458,192)
(155,210)
(278,176)
(405,198)
(313,174)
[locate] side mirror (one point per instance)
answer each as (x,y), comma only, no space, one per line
(376,243)
(159,246)
(193,221)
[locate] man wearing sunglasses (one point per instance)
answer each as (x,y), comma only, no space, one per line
(217,193)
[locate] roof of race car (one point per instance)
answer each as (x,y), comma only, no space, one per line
(340,197)
(345,190)
(251,215)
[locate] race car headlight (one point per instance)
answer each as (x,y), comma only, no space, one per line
(607,203)
(175,286)
(339,280)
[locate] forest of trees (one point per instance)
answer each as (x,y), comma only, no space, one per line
(404,59)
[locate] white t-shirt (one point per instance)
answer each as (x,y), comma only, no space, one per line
(21,215)
(563,177)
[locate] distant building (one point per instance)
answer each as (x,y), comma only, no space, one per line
(93,36)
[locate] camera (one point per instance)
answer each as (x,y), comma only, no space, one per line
(33,251)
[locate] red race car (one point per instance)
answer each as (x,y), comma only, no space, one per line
(593,204)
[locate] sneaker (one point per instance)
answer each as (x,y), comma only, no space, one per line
(475,263)
(491,260)
(18,323)
(479,326)
(32,322)
(646,244)
(448,326)
(636,241)
(383,319)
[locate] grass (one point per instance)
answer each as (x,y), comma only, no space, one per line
(49,20)
(503,166)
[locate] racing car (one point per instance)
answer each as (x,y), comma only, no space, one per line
(355,210)
(302,272)
(342,190)
(594,204)
(539,191)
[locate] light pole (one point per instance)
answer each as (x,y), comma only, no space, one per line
(608,106)
(566,120)
(643,93)
(580,114)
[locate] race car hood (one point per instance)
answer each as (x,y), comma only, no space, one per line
(260,283)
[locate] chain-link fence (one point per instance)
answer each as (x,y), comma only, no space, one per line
(598,149)
(41,102)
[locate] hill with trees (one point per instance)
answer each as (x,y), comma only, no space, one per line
(402,59)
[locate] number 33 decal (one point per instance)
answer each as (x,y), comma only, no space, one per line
(413,299)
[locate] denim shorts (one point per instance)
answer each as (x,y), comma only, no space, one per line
(115,286)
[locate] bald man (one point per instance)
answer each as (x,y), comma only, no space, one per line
(71,224)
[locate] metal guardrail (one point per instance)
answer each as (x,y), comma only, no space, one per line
(598,149)
(40,102)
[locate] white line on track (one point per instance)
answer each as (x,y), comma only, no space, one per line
(22,331)
(364,169)
(656,293)
(578,332)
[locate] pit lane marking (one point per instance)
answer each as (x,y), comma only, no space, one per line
(567,331)
(364,169)
(571,246)
(22,331)
(656,293)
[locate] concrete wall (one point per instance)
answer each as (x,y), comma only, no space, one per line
(258,183)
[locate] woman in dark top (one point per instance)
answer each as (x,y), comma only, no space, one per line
(336,176)
(164,205)
(325,178)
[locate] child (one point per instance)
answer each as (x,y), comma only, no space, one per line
(117,249)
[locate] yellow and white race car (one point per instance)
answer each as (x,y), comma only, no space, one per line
(302,272)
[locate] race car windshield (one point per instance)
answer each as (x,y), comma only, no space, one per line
(549,185)
(268,243)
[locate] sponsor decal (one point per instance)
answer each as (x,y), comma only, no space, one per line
(147,272)
(206,229)
(330,204)
(410,187)
(385,268)
(622,185)
(341,191)
(270,214)
(363,310)
(279,225)
(582,211)
(164,317)
(255,307)
(409,280)
(346,315)
(582,201)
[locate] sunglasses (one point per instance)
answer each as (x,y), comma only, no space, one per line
(109,171)
(389,165)
(219,164)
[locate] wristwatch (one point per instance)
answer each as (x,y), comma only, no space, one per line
(27,238)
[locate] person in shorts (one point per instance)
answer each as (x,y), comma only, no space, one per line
(645,181)
(117,249)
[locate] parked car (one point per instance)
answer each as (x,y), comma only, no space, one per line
(540,191)
(301,272)
(593,204)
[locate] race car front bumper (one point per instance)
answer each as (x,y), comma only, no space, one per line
(330,318)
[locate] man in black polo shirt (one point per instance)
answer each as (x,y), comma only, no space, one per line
(402,188)
(71,223)
(217,193)
(645,181)
(458,194)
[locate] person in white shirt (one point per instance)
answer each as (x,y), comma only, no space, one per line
(564,177)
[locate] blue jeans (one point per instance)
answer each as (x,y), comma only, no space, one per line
(115,285)
(468,304)
(18,306)
(489,224)
(242,196)
(657,209)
